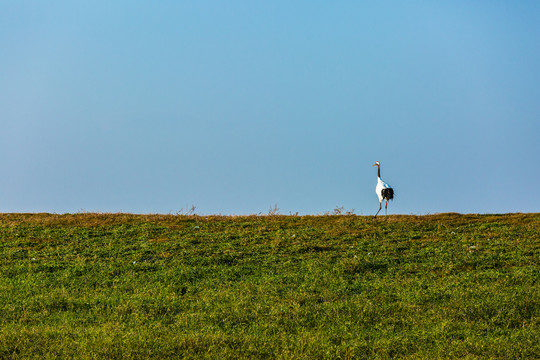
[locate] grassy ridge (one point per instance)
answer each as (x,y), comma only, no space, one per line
(136,286)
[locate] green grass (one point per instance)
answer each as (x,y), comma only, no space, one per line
(133,286)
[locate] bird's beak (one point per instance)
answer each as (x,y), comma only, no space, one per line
(374,164)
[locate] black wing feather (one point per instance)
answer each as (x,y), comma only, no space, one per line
(387,194)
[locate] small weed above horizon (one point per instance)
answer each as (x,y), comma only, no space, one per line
(187,286)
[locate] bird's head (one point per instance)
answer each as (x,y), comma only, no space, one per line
(376,163)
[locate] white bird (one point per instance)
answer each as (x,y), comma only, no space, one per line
(383,190)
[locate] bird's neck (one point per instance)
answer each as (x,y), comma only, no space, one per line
(379,171)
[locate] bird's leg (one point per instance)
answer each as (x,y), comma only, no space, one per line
(380,207)
(385,205)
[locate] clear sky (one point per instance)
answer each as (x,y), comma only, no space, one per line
(235,106)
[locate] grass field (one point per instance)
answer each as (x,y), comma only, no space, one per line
(149,286)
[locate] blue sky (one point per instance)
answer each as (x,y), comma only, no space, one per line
(235,106)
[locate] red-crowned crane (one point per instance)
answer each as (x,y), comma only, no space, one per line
(383,190)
